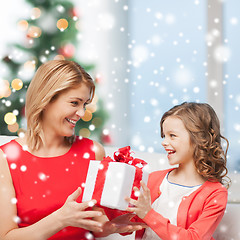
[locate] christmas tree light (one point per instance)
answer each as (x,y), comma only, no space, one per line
(10,118)
(17,84)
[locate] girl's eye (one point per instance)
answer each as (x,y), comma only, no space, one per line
(172,135)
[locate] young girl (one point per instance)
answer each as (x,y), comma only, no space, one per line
(189,201)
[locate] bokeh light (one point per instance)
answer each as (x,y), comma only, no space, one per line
(5,90)
(92,107)
(13,127)
(10,118)
(17,84)
(22,25)
(62,24)
(36,13)
(87,116)
(84,132)
(34,32)
(59,57)
(29,65)
(97,122)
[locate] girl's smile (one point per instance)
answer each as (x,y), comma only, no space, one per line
(177,141)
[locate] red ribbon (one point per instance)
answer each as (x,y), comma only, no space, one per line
(122,155)
(100,180)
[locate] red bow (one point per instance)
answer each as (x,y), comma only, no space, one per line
(124,155)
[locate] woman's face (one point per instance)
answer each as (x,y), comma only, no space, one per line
(177,141)
(61,115)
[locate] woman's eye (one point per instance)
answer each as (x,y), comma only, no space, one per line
(74,103)
(85,105)
(172,135)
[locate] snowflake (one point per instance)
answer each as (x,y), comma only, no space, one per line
(137,193)
(86,155)
(89,236)
(12,151)
(13,200)
(13,166)
(100,166)
(139,165)
(42,176)
(147,119)
(16,219)
(170,19)
(222,53)
(23,168)
(91,204)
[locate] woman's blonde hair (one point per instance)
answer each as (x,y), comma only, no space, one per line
(203,126)
(51,79)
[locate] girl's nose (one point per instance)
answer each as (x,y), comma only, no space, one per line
(164,142)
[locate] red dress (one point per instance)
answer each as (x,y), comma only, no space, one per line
(42,184)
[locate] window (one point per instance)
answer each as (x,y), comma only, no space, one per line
(169,63)
(231,17)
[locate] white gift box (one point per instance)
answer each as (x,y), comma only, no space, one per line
(118,183)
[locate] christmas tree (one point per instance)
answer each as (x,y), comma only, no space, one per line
(51,32)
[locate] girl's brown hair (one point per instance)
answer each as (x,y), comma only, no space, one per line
(50,80)
(203,126)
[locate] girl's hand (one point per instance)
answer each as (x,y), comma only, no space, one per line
(73,213)
(123,224)
(120,224)
(143,205)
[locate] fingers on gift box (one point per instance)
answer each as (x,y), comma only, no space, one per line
(110,181)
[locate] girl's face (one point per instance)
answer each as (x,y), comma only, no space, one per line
(61,115)
(177,141)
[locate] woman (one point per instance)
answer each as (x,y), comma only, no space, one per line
(42,172)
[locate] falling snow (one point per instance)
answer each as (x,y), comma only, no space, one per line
(23,168)
(89,236)
(42,176)
(165,66)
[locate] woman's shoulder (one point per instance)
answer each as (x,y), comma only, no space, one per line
(93,145)
(99,150)
(4,169)
(8,142)
(10,146)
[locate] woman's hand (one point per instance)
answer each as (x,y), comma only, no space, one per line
(143,205)
(73,213)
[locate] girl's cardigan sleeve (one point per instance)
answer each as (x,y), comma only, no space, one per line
(198,216)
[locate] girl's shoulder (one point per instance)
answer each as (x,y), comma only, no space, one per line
(160,174)
(214,187)
(156,177)
(213,193)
